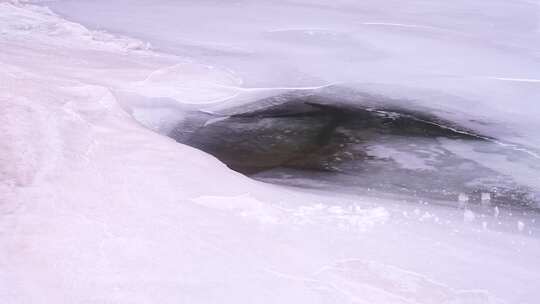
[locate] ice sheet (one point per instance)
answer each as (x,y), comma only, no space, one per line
(97,208)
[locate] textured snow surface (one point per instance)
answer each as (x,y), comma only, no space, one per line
(97,208)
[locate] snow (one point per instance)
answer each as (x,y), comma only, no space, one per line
(447,56)
(95,207)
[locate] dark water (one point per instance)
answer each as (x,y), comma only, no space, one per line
(303,142)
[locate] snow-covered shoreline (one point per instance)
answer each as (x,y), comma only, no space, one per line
(97,208)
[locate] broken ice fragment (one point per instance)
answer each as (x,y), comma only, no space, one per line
(463,199)
(520,225)
(485,197)
(468,216)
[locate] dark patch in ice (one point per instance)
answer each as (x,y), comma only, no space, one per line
(302,141)
(304,135)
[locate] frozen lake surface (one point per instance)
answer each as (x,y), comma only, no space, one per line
(473,65)
(385,151)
